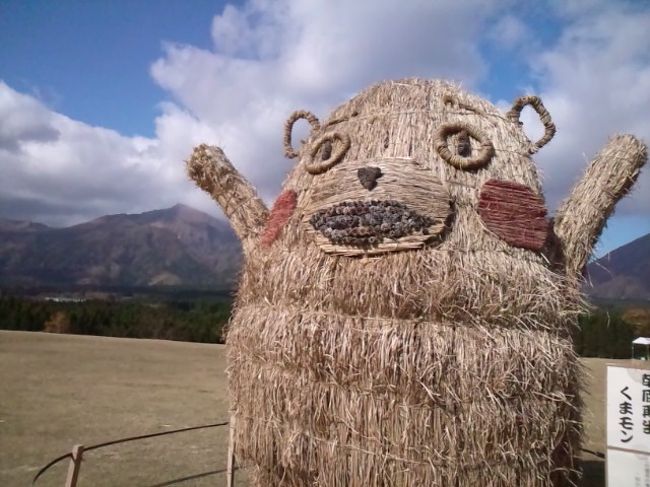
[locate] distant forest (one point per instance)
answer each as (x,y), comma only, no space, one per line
(606,332)
(190,320)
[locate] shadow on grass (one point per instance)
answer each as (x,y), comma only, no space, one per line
(189,477)
(593,473)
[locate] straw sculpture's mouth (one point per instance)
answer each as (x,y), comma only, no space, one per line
(367,223)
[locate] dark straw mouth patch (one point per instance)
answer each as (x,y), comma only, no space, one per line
(367,223)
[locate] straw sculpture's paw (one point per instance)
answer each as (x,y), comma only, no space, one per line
(213,173)
(405,309)
(582,217)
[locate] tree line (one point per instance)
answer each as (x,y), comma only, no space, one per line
(606,333)
(201,320)
(602,333)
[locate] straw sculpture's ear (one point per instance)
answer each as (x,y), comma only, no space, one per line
(213,173)
(536,104)
(582,217)
(289,151)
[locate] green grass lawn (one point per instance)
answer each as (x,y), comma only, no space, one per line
(58,390)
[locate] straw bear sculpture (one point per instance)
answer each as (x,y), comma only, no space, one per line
(405,310)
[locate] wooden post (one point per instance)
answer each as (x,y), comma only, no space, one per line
(75,465)
(230,466)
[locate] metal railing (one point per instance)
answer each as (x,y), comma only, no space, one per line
(77,452)
(76,456)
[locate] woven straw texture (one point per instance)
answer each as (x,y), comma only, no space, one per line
(387,335)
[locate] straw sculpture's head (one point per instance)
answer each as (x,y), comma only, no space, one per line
(394,168)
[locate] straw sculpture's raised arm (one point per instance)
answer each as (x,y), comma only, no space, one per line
(213,173)
(583,215)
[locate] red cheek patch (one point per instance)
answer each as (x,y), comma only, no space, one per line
(514,213)
(282,210)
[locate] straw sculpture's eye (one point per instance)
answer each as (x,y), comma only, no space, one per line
(327,151)
(463,144)
(462,158)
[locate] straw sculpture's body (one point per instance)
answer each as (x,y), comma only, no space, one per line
(405,309)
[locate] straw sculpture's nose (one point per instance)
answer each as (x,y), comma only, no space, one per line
(368,177)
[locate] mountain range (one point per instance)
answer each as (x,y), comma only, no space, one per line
(177,246)
(181,246)
(623,273)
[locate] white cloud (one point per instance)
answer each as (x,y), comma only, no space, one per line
(23,119)
(596,82)
(510,32)
(269,58)
(61,171)
(272,57)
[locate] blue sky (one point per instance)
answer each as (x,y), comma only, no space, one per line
(90,59)
(119,93)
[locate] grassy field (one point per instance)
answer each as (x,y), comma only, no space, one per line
(58,390)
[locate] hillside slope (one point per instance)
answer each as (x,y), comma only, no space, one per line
(624,273)
(176,246)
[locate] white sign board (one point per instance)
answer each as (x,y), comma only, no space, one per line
(627,469)
(628,427)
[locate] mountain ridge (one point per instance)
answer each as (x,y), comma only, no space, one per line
(175,246)
(623,273)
